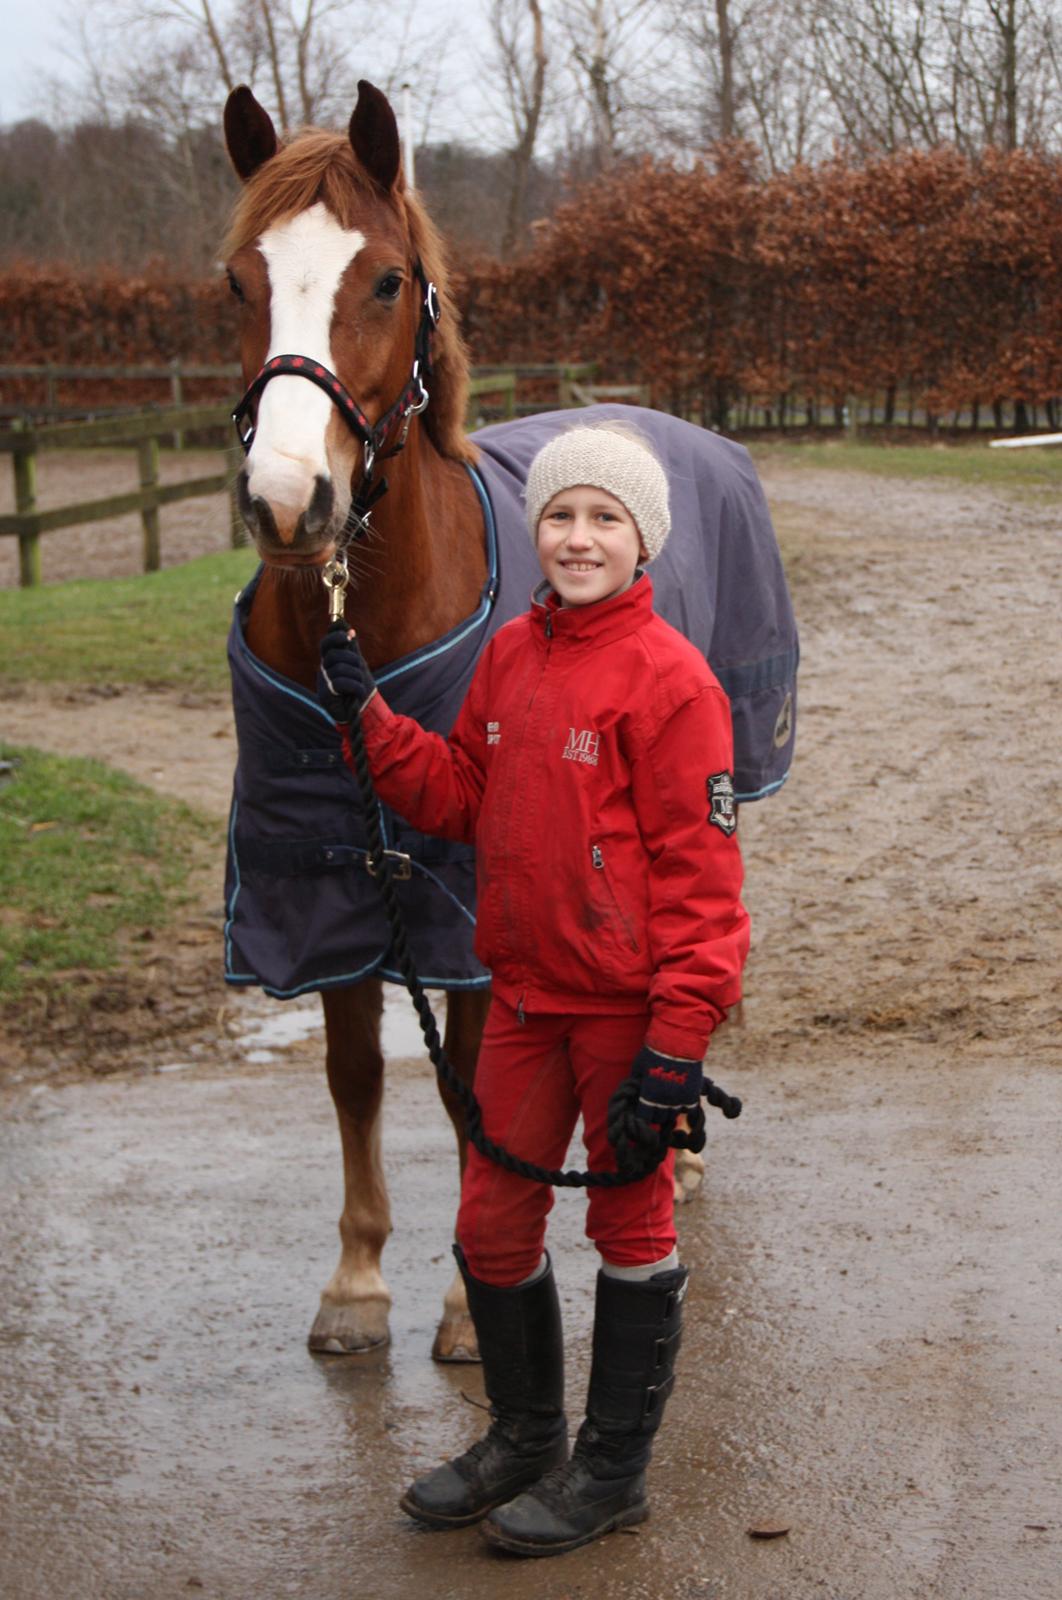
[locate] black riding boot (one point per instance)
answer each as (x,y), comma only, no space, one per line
(520,1341)
(637,1331)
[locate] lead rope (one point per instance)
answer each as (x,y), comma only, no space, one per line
(640,1147)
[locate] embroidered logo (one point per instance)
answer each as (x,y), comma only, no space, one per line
(494,733)
(582,746)
(667,1074)
(721,813)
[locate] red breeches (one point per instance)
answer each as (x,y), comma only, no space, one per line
(533,1081)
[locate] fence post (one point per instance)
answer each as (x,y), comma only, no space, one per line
(177,396)
(29,544)
(147,452)
(238,535)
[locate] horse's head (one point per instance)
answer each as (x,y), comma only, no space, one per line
(330,258)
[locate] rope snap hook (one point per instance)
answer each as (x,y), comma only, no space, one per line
(335,575)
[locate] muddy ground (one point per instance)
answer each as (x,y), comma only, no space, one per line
(874,1355)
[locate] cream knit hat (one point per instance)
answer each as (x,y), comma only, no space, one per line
(609,456)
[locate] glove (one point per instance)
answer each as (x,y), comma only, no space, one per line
(344,684)
(666,1085)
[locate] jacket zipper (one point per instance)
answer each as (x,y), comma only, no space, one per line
(597,857)
(520,1014)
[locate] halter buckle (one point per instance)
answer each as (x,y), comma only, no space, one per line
(432,305)
(416,406)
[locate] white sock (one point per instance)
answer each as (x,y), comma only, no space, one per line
(641,1274)
(539,1272)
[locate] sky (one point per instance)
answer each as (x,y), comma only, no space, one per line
(36,53)
(32,32)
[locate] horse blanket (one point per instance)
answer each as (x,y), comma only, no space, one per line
(302,911)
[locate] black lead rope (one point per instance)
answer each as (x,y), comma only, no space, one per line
(640,1147)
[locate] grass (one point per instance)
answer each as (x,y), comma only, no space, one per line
(961,463)
(88,858)
(158,628)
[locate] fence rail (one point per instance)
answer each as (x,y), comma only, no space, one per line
(26,441)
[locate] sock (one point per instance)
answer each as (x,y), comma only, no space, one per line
(533,1277)
(641,1274)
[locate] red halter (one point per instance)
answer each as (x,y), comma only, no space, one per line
(380,440)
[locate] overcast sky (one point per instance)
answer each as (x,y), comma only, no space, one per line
(35,53)
(32,34)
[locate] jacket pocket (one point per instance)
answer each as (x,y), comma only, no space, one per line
(623,923)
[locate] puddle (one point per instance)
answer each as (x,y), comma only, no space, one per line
(271,1026)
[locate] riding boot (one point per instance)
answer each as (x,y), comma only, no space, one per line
(521,1345)
(637,1331)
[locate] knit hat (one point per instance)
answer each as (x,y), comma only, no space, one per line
(609,456)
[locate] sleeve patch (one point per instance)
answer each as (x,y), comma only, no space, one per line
(721,812)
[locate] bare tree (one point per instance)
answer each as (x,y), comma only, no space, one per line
(300,54)
(520,60)
(972,72)
(614,65)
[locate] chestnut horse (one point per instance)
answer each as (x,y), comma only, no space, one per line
(319,254)
(340,280)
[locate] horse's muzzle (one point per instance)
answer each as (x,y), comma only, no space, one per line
(311,529)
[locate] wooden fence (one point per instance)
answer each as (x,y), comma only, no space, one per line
(175,375)
(143,430)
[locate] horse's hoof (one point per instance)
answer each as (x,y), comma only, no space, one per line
(689,1175)
(455,1340)
(350,1330)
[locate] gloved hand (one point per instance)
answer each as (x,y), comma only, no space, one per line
(344,683)
(666,1085)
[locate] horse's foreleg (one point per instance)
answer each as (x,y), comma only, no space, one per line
(466,1012)
(356,1301)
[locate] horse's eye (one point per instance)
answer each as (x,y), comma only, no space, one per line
(389,288)
(234,285)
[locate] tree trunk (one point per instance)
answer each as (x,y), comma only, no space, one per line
(524,150)
(727,123)
(265,6)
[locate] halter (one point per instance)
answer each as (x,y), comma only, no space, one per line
(380,440)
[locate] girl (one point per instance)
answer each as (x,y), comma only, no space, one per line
(591,764)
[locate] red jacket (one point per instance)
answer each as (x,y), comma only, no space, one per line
(590,764)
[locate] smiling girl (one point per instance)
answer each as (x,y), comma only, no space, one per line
(591,764)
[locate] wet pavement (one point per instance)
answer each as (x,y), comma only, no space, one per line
(872,1360)
(874,1349)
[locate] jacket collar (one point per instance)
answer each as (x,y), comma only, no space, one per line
(577,627)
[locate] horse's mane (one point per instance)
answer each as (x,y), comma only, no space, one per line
(315,165)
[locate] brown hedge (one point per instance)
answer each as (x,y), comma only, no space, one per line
(925,273)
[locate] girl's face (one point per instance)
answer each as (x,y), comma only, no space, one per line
(588,545)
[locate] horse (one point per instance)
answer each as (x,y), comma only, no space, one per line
(353,359)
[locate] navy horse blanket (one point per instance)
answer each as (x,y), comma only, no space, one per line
(303,913)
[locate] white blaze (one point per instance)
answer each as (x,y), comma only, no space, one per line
(306,257)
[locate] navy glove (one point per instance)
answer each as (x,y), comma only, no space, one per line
(344,684)
(667,1085)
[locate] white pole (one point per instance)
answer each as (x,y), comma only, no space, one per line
(1027,439)
(407,129)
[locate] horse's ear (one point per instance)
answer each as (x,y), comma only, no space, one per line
(249,132)
(374,136)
